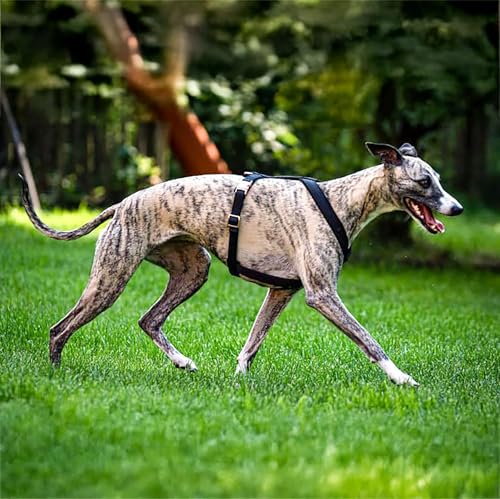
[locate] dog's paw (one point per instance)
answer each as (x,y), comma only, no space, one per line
(184,363)
(397,376)
(406,379)
(410,381)
(190,366)
(242,367)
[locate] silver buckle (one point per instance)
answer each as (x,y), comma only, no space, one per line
(235,225)
(243,186)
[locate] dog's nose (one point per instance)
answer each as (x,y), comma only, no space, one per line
(456,210)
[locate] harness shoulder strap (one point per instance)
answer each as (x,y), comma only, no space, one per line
(331,217)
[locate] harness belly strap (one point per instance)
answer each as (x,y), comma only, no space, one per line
(234,220)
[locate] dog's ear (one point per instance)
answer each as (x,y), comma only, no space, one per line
(389,155)
(408,150)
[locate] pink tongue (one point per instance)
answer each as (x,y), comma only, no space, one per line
(438,226)
(430,220)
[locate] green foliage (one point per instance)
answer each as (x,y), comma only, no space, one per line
(339,73)
(313,418)
(39,40)
(135,170)
(249,136)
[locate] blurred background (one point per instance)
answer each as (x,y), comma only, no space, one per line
(112,97)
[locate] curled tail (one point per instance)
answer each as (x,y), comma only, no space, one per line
(57,234)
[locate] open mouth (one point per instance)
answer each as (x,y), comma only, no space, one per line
(424,215)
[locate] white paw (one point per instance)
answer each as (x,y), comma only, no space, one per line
(190,366)
(242,367)
(396,375)
(184,363)
(406,379)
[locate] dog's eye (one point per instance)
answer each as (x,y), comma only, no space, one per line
(425,182)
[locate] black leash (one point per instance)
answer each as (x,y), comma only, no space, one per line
(234,220)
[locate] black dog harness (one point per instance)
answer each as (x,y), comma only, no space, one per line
(234,220)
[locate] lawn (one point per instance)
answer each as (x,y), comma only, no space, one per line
(313,418)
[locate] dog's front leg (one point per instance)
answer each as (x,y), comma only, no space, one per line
(331,306)
(275,301)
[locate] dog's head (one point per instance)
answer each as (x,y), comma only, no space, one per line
(414,186)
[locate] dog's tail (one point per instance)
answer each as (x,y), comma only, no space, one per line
(57,234)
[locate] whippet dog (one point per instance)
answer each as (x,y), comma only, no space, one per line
(175,224)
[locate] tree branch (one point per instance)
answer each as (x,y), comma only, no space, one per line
(21,151)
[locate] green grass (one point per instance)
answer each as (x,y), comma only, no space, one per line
(313,418)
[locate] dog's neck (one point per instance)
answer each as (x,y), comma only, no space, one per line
(359,198)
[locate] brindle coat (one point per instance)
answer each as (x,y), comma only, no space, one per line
(173,224)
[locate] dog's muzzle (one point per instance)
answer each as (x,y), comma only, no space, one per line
(449,206)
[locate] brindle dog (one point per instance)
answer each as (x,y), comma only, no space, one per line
(283,233)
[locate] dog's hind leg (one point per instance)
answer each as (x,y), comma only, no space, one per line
(275,301)
(114,263)
(187,264)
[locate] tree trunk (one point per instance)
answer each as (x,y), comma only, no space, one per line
(471,151)
(186,136)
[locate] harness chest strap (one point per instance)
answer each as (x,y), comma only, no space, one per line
(234,225)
